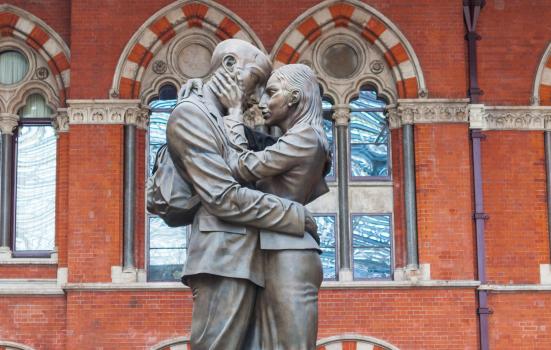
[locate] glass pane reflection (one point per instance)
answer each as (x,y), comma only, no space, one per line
(166,264)
(160,111)
(372,246)
(36,177)
(369,136)
(328,128)
(326,231)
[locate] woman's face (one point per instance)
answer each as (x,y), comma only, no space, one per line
(274,105)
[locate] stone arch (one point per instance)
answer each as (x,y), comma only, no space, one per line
(179,343)
(171,21)
(22,25)
(542,83)
(8,345)
(365,22)
(354,342)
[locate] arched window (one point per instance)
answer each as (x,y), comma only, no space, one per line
(35,179)
(166,252)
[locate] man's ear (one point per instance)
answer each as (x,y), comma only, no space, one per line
(294,97)
(228,62)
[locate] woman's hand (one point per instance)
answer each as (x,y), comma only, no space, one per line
(228,92)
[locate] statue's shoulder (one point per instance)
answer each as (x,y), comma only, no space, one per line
(190,106)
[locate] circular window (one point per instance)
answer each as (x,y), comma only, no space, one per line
(340,60)
(13,67)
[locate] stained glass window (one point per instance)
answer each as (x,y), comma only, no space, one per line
(369,136)
(35,178)
(372,246)
(326,230)
(167,245)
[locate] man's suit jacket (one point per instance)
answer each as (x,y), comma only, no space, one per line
(223,239)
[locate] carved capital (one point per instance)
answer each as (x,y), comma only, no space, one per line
(61,120)
(137,116)
(107,112)
(428,111)
(341,115)
(8,123)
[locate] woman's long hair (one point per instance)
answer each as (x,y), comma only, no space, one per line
(308,110)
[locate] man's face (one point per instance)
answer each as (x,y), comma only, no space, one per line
(249,78)
(274,103)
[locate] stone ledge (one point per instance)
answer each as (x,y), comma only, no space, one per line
(30,287)
(6,258)
(515,287)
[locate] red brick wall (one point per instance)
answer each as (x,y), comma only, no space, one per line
(514,34)
(62,198)
(520,320)
(444,200)
(131,320)
(56,13)
(95,201)
(28,271)
(513,169)
(35,321)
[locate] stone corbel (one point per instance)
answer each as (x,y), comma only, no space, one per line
(8,123)
(61,120)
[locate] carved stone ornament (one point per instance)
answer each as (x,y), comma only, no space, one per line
(8,123)
(42,73)
(510,117)
(377,67)
(107,112)
(341,116)
(159,67)
(61,120)
(419,111)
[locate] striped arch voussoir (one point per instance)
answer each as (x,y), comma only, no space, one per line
(16,23)
(372,28)
(163,29)
(545,84)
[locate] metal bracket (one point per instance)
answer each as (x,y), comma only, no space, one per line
(481,216)
(477,134)
(484,311)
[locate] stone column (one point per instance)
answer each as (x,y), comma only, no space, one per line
(8,124)
(341,116)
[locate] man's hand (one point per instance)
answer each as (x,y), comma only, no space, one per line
(311,227)
(228,92)
(192,85)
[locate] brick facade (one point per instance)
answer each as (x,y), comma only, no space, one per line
(89,311)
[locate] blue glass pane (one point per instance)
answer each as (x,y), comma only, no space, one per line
(372,263)
(370,231)
(157,127)
(326,231)
(167,92)
(369,136)
(328,128)
(369,159)
(163,236)
(36,178)
(372,246)
(367,99)
(166,264)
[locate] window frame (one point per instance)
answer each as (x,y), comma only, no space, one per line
(42,121)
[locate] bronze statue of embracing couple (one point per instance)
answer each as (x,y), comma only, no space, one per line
(253,259)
